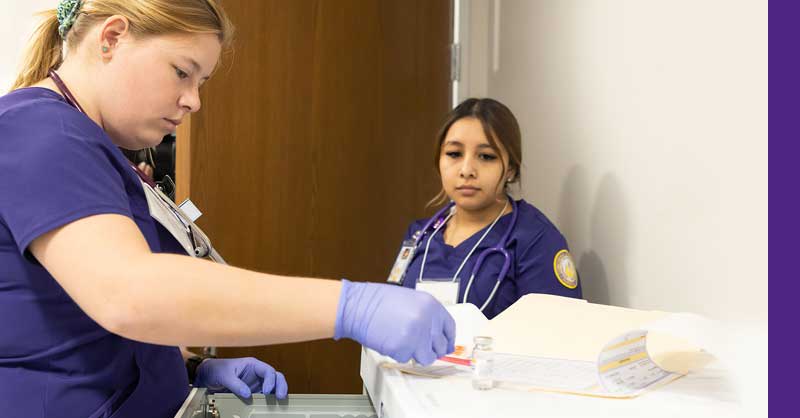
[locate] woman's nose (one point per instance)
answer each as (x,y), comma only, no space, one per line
(467,168)
(190,100)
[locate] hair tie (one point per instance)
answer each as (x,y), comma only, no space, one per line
(67,13)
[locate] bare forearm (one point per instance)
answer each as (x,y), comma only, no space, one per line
(178,300)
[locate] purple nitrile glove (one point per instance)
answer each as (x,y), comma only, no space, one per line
(241,376)
(398,322)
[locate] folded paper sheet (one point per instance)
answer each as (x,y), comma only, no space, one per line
(546,342)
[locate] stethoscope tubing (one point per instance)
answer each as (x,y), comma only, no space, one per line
(437,221)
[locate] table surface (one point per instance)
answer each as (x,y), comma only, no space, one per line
(707,392)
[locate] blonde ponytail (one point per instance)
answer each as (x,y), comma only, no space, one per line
(147,18)
(43,53)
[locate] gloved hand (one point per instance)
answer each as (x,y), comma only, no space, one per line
(395,321)
(241,376)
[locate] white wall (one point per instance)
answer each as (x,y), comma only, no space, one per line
(645,140)
(645,137)
(17,22)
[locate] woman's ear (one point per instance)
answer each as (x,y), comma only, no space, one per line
(112,31)
(511,175)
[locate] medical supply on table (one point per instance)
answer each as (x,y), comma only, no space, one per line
(530,351)
(482,363)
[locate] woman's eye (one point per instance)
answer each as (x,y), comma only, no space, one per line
(487,157)
(181,74)
(453,154)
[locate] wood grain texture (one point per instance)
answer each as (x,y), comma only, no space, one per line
(183,164)
(313,150)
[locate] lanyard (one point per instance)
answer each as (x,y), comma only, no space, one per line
(463,263)
(65,91)
(74,102)
(190,237)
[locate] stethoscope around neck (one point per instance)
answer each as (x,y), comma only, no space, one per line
(440,219)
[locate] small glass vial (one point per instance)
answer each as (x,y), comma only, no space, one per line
(482,363)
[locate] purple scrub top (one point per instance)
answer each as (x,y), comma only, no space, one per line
(58,166)
(532,245)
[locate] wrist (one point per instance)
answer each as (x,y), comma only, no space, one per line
(193,364)
(357,304)
(339,326)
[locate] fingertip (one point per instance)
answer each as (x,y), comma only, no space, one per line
(427,361)
(242,390)
(402,356)
(281,386)
(425,357)
(268,386)
(400,350)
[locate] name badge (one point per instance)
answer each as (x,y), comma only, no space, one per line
(190,210)
(444,290)
(402,261)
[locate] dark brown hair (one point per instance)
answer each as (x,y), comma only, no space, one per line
(501,130)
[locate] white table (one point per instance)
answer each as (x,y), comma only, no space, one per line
(709,392)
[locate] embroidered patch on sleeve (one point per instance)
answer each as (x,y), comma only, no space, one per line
(565,270)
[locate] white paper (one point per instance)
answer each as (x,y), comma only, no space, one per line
(546,373)
(625,367)
(470,322)
(620,368)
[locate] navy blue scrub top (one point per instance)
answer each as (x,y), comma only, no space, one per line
(57,166)
(533,246)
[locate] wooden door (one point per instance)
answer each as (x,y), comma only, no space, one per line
(313,150)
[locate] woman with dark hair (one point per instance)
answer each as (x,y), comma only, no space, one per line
(483,247)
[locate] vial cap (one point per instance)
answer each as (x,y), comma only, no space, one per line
(482,340)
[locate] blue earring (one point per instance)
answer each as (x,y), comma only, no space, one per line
(105,48)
